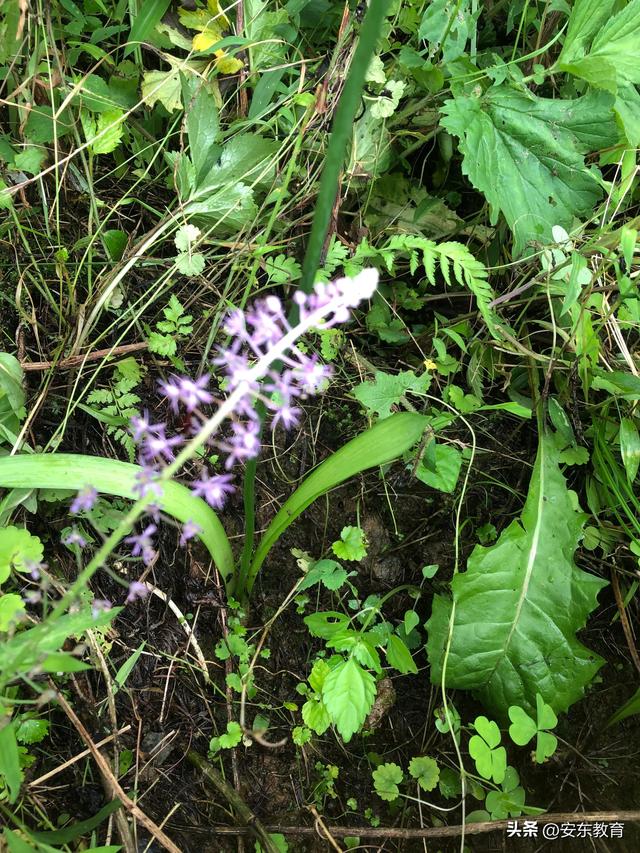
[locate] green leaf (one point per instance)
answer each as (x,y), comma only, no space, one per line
(327,572)
(41,127)
(162,344)
(522,727)
(348,693)
(448,461)
(630,447)
(63,662)
(30,160)
(386,390)
(399,656)
(18,547)
(203,127)
(630,707)
(12,396)
(326,623)
(127,667)
(115,242)
(109,476)
(190,263)
(32,730)
(614,54)
(10,761)
(315,715)
(382,443)
(149,14)
(163,86)
(490,759)
(519,605)
(351,545)
(526,154)
(425,771)
(104,131)
(11,610)
(587,17)
(386,779)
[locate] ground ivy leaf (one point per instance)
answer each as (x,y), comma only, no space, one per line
(386,779)
(519,605)
(526,154)
(18,548)
(348,693)
(425,771)
(351,545)
(190,263)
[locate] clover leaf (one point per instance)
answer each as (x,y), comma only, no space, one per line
(490,758)
(523,728)
(18,548)
(386,779)
(509,801)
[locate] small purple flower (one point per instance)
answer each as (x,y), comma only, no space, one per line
(84,500)
(143,544)
(146,482)
(191,393)
(189,530)
(156,445)
(100,605)
(214,489)
(35,569)
(74,538)
(33,597)
(288,416)
(310,375)
(137,590)
(244,444)
(140,426)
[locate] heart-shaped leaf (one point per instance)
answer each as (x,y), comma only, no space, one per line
(522,727)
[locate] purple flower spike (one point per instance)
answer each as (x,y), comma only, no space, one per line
(288,416)
(156,445)
(214,489)
(74,538)
(143,544)
(181,389)
(84,500)
(137,590)
(189,530)
(146,483)
(100,605)
(140,426)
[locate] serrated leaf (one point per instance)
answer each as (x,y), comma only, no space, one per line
(385,390)
(232,737)
(399,656)
(386,779)
(190,263)
(526,154)
(351,545)
(520,604)
(425,771)
(186,235)
(348,693)
(315,715)
(162,344)
(163,86)
(18,548)
(327,572)
(32,730)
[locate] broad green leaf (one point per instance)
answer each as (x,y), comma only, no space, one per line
(425,771)
(71,471)
(614,52)
(490,758)
(315,715)
(327,572)
(519,605)
(348,693)
(104,131)
(587,17)
(12,396)
(30,160)
(10,760)
(386,779)
(63,662)
(149,14)
(163,86)
(385,390)
(203,126)
(399,656)
(18,548)
(190,263)
(448,461)
(522,727)
(83,827)
(326,623)
(381,444)
(42,127)
(32,730)
(630,447)
(526,154)
(11,609)
(627,109)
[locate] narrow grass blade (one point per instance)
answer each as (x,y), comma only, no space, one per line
(384,442)
(108,476)
(150,14)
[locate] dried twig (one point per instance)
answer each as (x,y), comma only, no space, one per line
(103,765)
(77,360)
